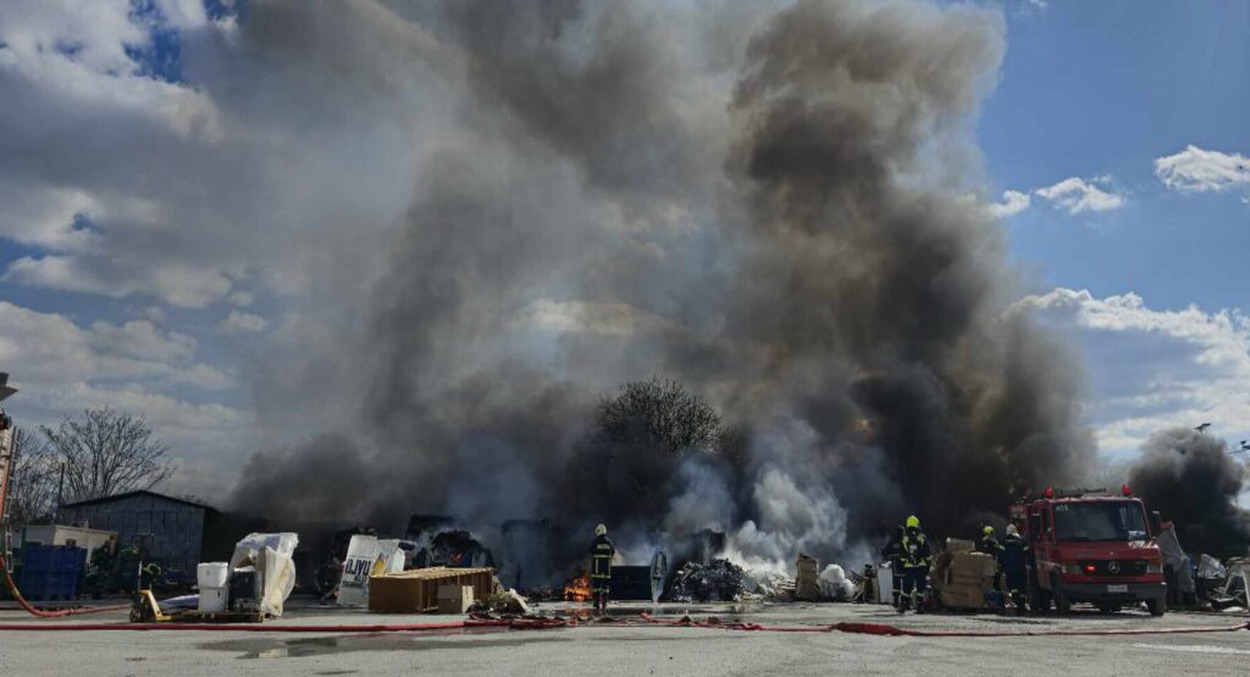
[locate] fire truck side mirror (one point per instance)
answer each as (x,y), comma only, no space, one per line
(1156,522)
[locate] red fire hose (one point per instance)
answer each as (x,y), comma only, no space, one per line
(895,631)
(643,620)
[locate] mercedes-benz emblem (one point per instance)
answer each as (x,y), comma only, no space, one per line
(1113,567)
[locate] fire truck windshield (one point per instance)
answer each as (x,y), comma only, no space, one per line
(1100,521)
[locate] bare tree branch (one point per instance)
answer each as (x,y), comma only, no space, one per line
(32,487)
(107,453)
(662,413)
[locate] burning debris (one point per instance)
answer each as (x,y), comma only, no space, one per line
(718,581)
(578,589)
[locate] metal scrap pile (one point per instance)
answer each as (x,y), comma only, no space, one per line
(1227,586)
(717,581)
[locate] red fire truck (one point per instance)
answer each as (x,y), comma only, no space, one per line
(1088,546)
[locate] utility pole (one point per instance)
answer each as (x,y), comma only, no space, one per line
(6,464)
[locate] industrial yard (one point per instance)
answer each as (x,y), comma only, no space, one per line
(658,337)
(628,646)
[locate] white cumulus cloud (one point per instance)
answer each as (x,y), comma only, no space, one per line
(238,322)
(1151,369)
(1078,195)
(1013,203)
(62,367)
(1195,170)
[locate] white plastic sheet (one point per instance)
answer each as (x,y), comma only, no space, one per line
(834,584)
(271,555)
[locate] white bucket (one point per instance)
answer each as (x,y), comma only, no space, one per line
(212,600)
(212,574)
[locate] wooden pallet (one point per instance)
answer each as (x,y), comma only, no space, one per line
(218,617)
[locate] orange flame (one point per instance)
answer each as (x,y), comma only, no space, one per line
(578,589)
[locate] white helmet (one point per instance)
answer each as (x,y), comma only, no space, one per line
(1012,530)
(601,530)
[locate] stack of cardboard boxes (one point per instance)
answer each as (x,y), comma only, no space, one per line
(962,577)
(807,582)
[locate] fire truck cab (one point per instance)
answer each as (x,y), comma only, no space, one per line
(1091,548)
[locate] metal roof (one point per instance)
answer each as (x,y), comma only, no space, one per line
(138,492)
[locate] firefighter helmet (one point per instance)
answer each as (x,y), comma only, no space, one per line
(988,530)
(601,530)
(913,522)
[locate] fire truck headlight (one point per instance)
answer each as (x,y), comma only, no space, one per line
(1155,567)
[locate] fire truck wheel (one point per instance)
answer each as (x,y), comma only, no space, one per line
(1157,607)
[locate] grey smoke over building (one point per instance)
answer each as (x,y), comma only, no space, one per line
(775,206)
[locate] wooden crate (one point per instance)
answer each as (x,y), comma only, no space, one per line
(416,591)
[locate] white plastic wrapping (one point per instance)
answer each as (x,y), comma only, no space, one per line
(834,584)
(271,555)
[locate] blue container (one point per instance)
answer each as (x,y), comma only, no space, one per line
(51,572)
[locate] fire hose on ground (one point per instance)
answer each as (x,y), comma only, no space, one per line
(58,613)
(644,620)
(6,458)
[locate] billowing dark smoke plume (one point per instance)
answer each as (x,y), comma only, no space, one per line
(1191,479)
(776,210)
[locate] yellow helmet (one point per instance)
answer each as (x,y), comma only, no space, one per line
(988,530)
(913,522)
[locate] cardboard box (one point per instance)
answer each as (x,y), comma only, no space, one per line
(968,581)
(972,564)
(417,591)
(954,545)
(454,599)
(806,583)
(963,597)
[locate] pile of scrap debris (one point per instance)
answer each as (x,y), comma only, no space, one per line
(811,584)
(718,581)
(1204,583)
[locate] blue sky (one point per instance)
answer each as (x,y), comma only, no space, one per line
(170,205)
(1093,88)
(1102,90)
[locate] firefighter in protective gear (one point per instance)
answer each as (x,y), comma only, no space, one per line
(916,555)
(601,553)
(893,553)
(1013,562)
(989,545)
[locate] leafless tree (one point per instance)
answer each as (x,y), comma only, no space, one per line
(107,452)
(626,468)
(32,486)
(662,413)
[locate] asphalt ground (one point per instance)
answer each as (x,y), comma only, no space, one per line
(633,648)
